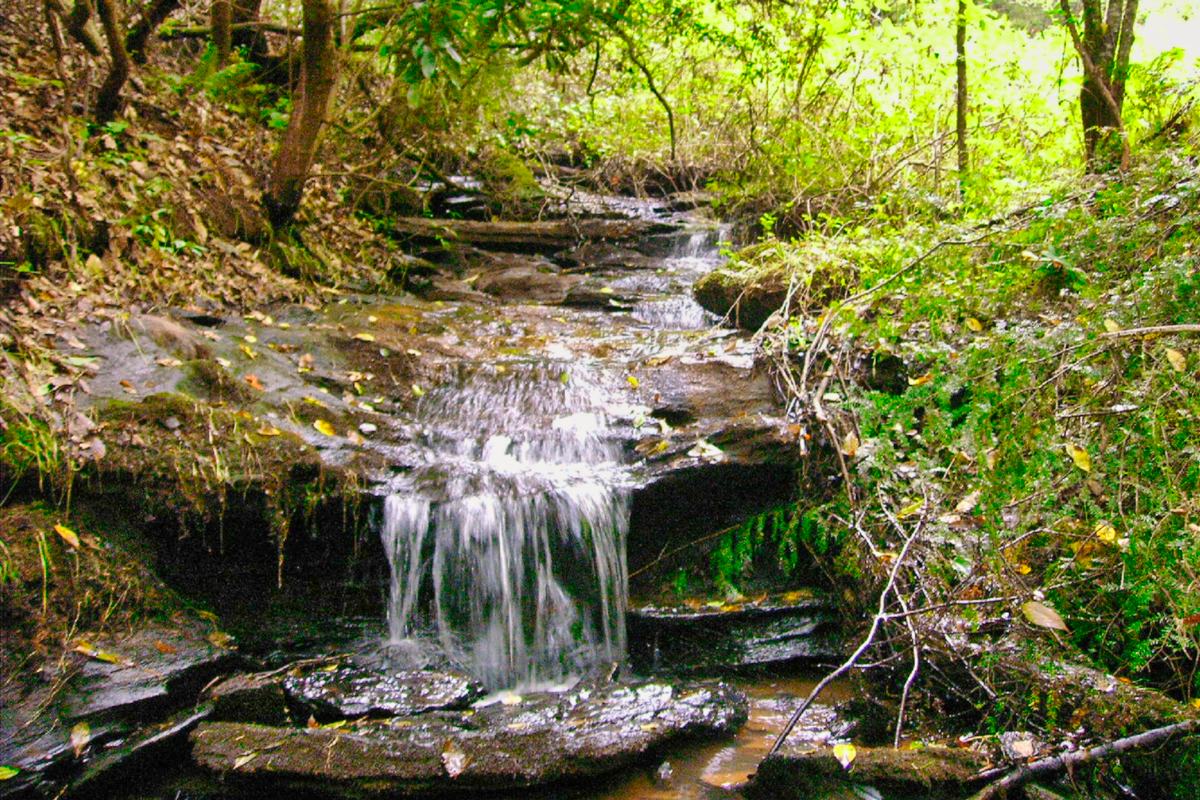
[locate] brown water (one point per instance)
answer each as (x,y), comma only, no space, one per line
(711,770)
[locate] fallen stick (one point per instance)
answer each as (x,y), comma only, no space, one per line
(1053,765)
(1154,330)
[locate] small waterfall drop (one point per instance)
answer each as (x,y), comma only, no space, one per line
(507,544)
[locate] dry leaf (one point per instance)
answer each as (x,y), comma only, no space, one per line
(81,734)
(244,759)
(67,535)
(850,444)
(1177,359)
(128,387)
(268,430)
(453,759)
(164,648)
(91,651)
(1043,616)
(221,639)
(845,754)
(1111,326)
(324,427)
(968,503)
(922,380)
(1105,533)
(254,383)
(364,337)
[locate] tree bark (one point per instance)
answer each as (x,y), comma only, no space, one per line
(1103,47)
(960,116)
(155,14)
(76,22)
(222,33)
(318,74)
(108,99)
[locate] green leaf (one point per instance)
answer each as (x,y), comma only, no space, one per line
(7,772)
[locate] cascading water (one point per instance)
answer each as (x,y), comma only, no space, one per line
(507,541)
(507,544)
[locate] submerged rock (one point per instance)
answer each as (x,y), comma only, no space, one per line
(347,691)
(542,740)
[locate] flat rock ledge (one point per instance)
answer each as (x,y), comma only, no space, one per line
(540,740)
(802,773)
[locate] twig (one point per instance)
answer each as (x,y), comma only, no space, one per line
(848,664)
(1046,767)
(1153,330)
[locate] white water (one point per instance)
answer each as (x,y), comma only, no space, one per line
(507,543)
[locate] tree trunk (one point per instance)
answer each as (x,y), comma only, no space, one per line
(1103,47)
(222,34)
(109,100)
(77,23)
(318,73)
(155,14)
(960,116)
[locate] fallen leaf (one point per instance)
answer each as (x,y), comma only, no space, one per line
(1105,533)
(67,535)
(974,324)
(91,651)
(1043,615)
(910,509)
(921,380)
(268,430)
(1111,326)
(417,391)
(244,759)
(81,734)
(164,648)
(254,383)
(221,639)
(632,381)
(7,772)
(850,444)
(1177,359)
(454,760)
(250,338)
(364,337)
(128,387)
(312,722)
(968,503)
(324,427)
(845,754)
(1080,457)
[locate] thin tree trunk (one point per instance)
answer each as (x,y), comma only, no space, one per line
(76,22)
(222,33)
(1103,48)
(140,33)
(960,116)
(318,73)
(108,99)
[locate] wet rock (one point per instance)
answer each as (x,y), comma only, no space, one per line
(712,638)
(546,237)
(747,304)
(347,691)
(527,283)
(584,296)
(544,740)
(928,772)
(250,698)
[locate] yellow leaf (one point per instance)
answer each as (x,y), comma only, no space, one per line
(7,772)
(1105,533)
(850,444)
(335,725)
(250,354)
(81,734)
(221,639)
(417,390)
(910,509)
(1043,615)
(922,380)
(845,754)
(67,535)
(324,427)
(1177,359)
(974,324)
(250,339)
(632,381)
(1111,326)
(1024,569)
(1080,457)
(268,430)
(364,337)
(91,651)
(1196,702)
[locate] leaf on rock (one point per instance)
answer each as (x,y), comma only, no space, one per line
(81,734)
(1080,457)
(221,639)
(254,383)
(8,773)
(845,754)
(1043,616)
(67,535)
(324,427)
(244,759)
(91,651)
(268,430)
(453,759)
(632,381)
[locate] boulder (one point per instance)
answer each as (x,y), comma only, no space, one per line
(801,773)
(250,698)
(343,691)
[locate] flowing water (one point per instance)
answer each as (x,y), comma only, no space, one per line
(507,542)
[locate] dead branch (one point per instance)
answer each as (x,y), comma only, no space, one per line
(1153,330)
(1053,765)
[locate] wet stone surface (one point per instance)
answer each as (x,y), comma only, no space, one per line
(338,691)
(521,742)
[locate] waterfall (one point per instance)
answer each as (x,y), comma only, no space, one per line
(507,543)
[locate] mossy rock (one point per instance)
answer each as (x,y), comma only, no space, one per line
(509,181)
(927,772)
(208,379)
(755,284)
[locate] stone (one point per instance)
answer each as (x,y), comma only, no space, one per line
(543,740)
(527,283)
(250,698)
(796,773)
(338,691)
